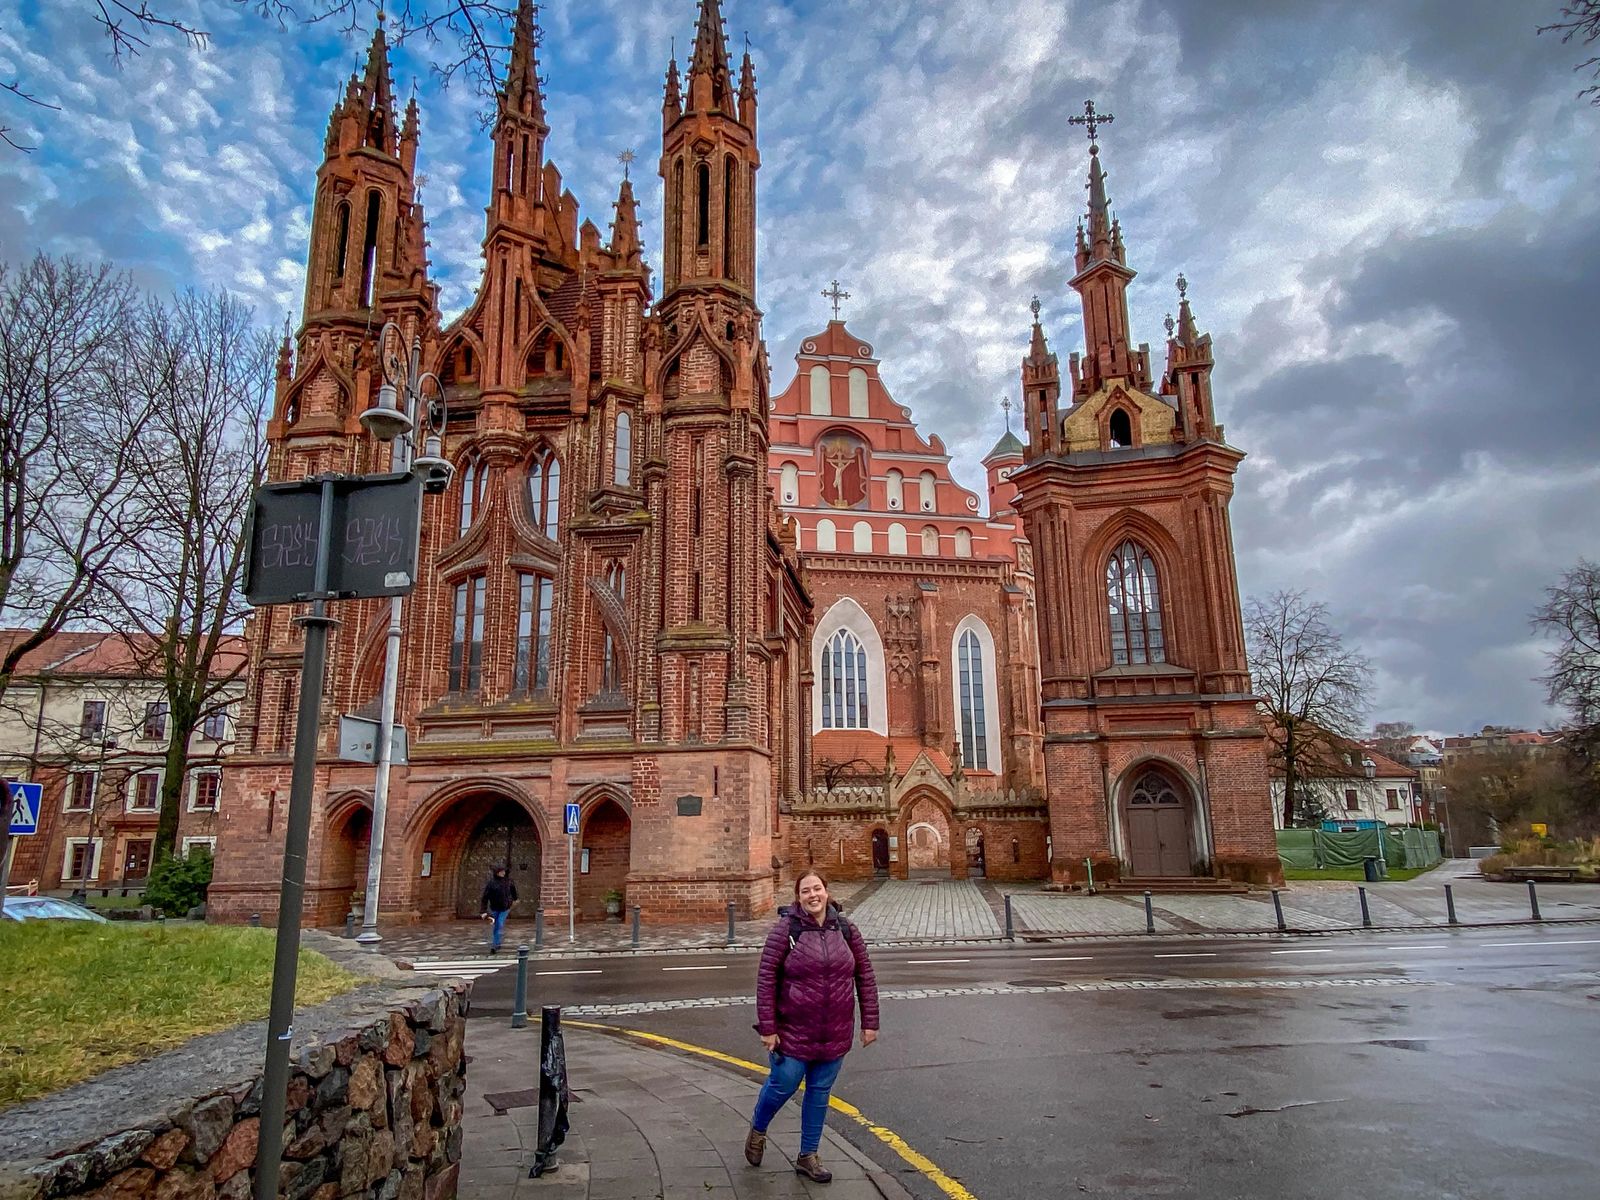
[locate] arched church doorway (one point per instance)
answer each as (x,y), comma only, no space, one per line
(603,860)
(927,840)
(880,852)
(1156,817)
(975,860)
(504,836)
(344,861)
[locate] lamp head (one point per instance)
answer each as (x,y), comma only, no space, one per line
(384,420)
(432,467)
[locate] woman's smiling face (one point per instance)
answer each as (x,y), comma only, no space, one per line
(813,895)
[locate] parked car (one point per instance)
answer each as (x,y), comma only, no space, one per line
(47,908)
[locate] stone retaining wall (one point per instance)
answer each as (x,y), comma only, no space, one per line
(374,1111)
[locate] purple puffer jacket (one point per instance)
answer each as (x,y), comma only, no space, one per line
(807,984)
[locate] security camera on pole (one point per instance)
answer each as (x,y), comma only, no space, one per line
(394,419)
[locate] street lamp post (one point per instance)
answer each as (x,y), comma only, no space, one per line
(394,419)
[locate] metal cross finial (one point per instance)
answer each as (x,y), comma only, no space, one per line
(1183,287)
(835,294)
(1034,308)
(1005,403)
(1092,120)
(625,158)
(1169,323)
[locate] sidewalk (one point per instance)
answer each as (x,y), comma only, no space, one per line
(645,1123)
(898,912)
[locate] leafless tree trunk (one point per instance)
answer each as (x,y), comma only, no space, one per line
(1310,685)
(1571,611)
(69,439)
(206,373)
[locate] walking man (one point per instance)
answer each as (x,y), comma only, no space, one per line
(499,894)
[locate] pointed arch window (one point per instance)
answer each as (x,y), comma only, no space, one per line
(474,482)
(466,636)
(974,725)
(342,255)
(544,493)
(730,189)
(369,248)
(535,602)
(844,682)
(1133,598)
(702,177)
(622,467)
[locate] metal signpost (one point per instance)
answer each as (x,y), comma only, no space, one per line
(329,538)
(571,823)
(22,820)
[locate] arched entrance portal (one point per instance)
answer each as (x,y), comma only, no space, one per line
(880,852)
(1156,817)
(504,836)
(605,850)
(927,840)
(976,866)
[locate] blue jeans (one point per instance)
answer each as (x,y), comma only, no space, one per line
(499,928)
(784,1081)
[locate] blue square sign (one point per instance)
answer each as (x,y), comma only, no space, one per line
(22,807)
(572,820)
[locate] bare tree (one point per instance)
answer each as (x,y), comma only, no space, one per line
(1581,19)
(833,774)
(1312,687)
(1394,738)
(1571,611)
(206,372)
(69,437)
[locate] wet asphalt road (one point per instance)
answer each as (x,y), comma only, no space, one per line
(1470,1069)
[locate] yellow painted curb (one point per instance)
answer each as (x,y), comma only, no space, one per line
(918,1161)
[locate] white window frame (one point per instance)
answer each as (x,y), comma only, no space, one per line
(94,789)
(847,614)
(210,843)
(98,845)
(194,789)
(221,715)
(129,799)
(991,690)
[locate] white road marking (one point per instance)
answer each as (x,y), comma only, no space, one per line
(585,971)
(933,962)
(1549,942)
(1302,951)
(1070,958)
(1191,954)
(1435,947)
(721,968)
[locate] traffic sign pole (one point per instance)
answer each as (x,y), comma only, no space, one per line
(24,801)
(570,822)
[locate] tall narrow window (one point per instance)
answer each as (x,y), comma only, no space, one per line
(155,721)
(703,183)
(617,578)
(623,466)
(819,387)
(610,664)
(342,246)
(369,248)
(533,634)
(844,682)
(92,724)
(974,734)
(675,241)
(1121,429)
(896,490)
(544,493)
(927,487)
(474,478)
(730,263)
(858,392)
(1134,602)
(466,636)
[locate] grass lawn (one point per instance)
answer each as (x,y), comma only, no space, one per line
(1351,874)
(78,998)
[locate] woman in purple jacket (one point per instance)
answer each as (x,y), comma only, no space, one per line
(813,968)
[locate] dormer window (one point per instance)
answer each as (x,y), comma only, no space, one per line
(1121,429)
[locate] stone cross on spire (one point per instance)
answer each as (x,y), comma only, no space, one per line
(1005,403)
(1092,120)
(835,293)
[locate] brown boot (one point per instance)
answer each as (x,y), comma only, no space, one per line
(811,1167)
(755,1144)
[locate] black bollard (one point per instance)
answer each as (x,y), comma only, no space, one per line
(1533,901)
(1450,904)
(1366,914)
(1277,910)
(1011,929)
(731,935)
(538,927)
(519,1010)
(636,926)
(1149,915)
(255,920)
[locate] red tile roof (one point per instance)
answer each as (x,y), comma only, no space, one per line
(843,745)
(99,654)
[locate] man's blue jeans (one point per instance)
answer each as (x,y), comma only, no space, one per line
(499,929)
(784,1081)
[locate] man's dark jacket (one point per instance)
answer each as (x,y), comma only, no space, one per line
(498,895)
(807,984)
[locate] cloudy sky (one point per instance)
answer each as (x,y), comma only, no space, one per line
(1389,216)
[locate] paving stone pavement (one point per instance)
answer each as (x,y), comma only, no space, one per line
(1066,912)
(915,908)
(646,1124)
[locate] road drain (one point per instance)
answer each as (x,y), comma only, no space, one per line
(1021,983)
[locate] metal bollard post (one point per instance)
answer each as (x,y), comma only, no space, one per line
(636,926)
(731,934)
(1149,915)
(1366,913)
(255,920)
(519,1010)
(538,927)
(1450,904)
(1011,929)
(350,923)
(1277,910)
(1533,901)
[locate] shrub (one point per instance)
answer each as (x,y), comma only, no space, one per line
(177,884)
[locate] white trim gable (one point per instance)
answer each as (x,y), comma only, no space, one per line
(847,614)
(991,692)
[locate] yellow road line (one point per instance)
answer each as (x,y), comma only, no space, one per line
(918,1161)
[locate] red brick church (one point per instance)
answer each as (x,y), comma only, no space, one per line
(743,631)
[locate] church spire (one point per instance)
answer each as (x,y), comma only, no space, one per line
(523,92)
(710,81)
(747,89)
(625,227)
(1041,389)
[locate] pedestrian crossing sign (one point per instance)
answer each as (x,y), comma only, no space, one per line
(572,820)
(22,807)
